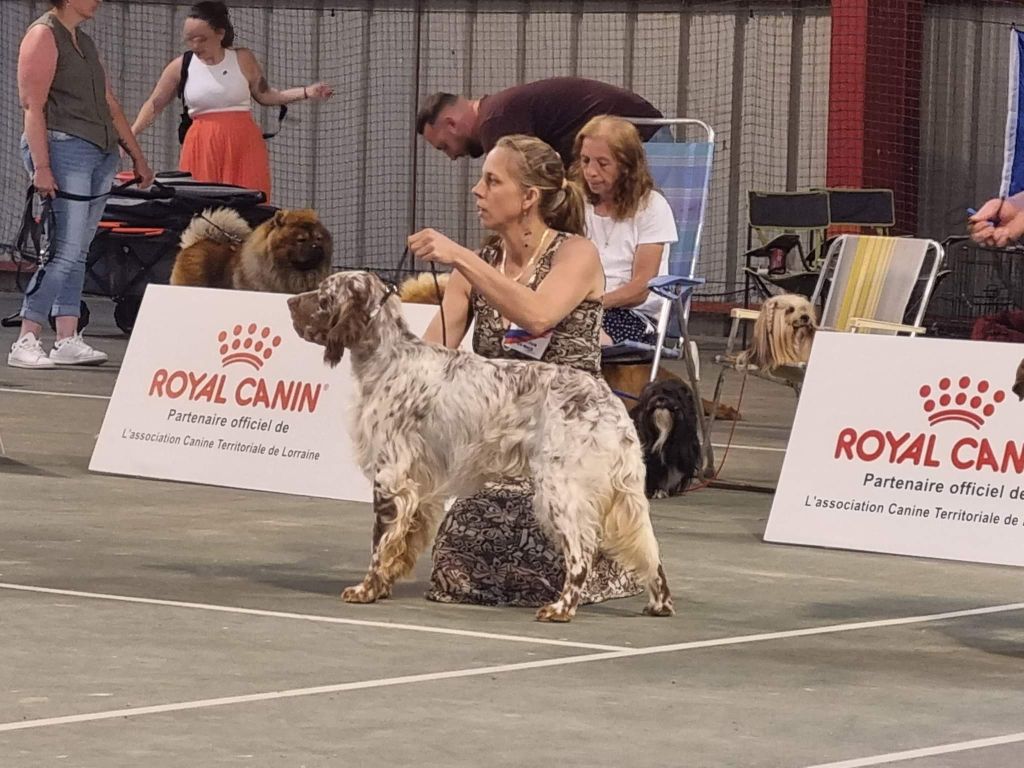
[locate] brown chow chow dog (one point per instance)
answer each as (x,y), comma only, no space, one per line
(289,253)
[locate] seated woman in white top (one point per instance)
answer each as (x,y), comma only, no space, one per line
(628,220)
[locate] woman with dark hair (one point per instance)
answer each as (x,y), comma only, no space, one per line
(628,220)
(224,144)
(73,125)
(534,292)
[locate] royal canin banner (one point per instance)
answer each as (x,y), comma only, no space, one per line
(217,388)
(912,446)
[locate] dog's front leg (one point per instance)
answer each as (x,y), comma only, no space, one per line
(404,525)
(374,586)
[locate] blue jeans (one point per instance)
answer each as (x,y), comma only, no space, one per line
(81,168)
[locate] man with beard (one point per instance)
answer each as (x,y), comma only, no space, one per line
(553,110)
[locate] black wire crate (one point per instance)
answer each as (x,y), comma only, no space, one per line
(980,281)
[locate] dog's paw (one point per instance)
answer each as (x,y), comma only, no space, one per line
(554,612)
(661,493)
(358,594)
(659,609)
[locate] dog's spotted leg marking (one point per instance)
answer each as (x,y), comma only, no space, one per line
(374,585)
(660,602)
(577,566)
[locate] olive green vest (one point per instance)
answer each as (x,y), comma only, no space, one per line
(77,102)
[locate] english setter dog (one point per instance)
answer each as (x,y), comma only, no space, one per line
(430,423)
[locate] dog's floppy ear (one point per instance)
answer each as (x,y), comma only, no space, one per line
(760,351)
(781,341)
(348,323)
(641,411)
(805,337)
(641,415)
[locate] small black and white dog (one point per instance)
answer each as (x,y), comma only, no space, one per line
(666,423)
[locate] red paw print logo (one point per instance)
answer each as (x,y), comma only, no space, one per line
(247,344)
(960,400)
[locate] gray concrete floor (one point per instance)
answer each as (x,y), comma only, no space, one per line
(147,623)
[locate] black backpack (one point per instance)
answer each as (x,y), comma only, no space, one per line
(186,120)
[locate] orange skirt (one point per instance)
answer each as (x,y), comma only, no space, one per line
(227,148)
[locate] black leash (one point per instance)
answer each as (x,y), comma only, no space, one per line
(230,236)
(282,113)
(408,257)
(29,241)
(626,395)
(33,230)
(31,233)
(440,304)
(89,198)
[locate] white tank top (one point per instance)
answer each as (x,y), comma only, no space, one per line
(217,87)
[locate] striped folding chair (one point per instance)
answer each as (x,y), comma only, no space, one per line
(874,281)
(682,173)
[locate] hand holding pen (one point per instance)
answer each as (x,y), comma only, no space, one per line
(998,223)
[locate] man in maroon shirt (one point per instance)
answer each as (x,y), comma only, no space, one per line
(552,110)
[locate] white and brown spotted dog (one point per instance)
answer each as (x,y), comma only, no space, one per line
(431,423)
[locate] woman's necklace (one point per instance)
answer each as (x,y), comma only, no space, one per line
(607,229)
(533,258)
(608,225)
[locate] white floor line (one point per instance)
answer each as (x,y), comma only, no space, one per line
(315,618)
(14,391)
(749,447)
(502,668)
(914,754)
(294,692)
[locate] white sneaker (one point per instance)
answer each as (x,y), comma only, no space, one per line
(27,352)
(74,351)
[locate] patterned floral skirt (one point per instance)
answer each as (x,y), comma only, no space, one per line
(490,550)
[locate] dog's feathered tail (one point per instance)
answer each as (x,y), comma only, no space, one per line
(421,289)
(627,533)
(221,225)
